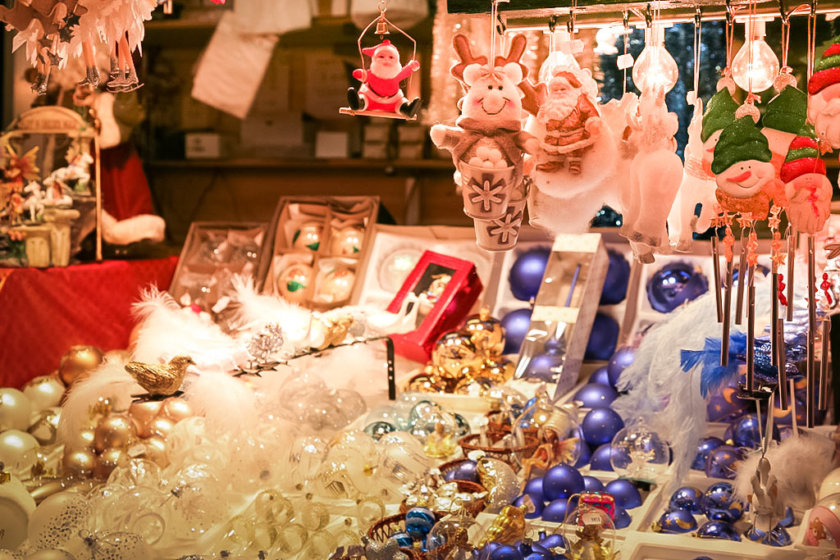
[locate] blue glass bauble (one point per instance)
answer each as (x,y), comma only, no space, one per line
(725,406)
(618,275)
(463,427)
(687,498)
(720,504)
(516,324)
(556,510)
(602,338)
(534,488)
(544,367)
(721,462)
(592,484)
(601,458)
(595,394)
(552,541)
(378,429)
(706,445)
(585,456)
(674,284)
(600,425)
(465,470)
(626,495)
(620,361)
(561,481)
(506,552)
(702,558)
(403,539)
(784,417)
(418,522)
(538,506)
(622,518)
(676,521)
(527,273)
(718,530)
(602,376)
(745,431)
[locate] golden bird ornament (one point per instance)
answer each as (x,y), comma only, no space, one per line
(160,379)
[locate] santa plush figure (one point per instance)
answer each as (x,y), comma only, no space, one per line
(571,123)
(824,98)
(807,188)
(380,89)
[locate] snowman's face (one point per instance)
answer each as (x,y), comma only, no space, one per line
(709,151)
(745,178)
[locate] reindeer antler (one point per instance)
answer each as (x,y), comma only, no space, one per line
(461,44)
(518,44)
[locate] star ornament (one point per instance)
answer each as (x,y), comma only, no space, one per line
(507,227)
(486,192)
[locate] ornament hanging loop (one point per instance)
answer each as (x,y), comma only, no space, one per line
(382,23)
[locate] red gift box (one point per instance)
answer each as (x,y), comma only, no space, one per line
(446,289)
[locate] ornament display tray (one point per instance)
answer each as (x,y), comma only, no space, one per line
(324,260)
(205,268)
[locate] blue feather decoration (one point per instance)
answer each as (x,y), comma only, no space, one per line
(712,374)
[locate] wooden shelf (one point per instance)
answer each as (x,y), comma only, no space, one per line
(388,166)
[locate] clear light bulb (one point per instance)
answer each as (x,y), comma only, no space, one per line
(755,73)
(655,67)
(561,55)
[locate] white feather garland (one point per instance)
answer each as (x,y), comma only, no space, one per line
(227,403)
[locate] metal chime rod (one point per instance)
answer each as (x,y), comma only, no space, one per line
(781,361)
(811,404)
(716,273)
(727,316)
(742,277)
(824,362)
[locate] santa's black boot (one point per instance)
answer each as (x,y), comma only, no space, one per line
(353,99)
(410,109)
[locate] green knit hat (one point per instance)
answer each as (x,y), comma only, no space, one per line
(719,112)
(803,156)
(826,69)
(787,111)
(740,141)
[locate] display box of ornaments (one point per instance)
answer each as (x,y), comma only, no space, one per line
(316,246)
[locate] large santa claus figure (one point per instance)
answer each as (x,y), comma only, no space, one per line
(571,124)
(380,89)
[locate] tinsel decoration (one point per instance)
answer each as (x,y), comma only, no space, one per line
(265,344)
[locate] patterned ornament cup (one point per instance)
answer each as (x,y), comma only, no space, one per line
(486,190)
(501,234)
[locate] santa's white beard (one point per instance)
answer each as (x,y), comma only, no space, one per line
(826,119)
(557,108)
(385,72)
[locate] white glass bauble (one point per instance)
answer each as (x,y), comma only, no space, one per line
(15,410)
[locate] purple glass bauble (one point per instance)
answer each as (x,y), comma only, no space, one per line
(600,425)
(601,458)
(527,272)
(718,530)
(594,394)
(592,484)
(784,417)
(746,432)
(619,361)
(687,498)
(538,506)
(534,488)
(544,367)
(706,445)
(622,518)
(553,541)
(674,284)
(585,455)
(725,406)
(626,495)
(721,462)
(676,521)
(601,375)
(562,481)
(602,338)
(618,275)
(506,552)
(516,324)
(556,510)
(465,470)
(720,503)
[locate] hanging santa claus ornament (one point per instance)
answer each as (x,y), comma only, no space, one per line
(381,94)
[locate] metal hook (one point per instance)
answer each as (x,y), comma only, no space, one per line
(698,17)
(648,17)
(552,23)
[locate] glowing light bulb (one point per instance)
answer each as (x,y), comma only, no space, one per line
(655,67)
(755,66)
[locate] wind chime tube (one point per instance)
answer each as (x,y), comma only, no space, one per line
(751,335)
(742,265)
(781,367)
(774,316)
(811,374)
(727,316)
(824,362)
(716,274)
(791,257)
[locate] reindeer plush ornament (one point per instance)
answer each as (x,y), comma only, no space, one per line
(488,144)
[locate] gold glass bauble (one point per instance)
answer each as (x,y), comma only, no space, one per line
(117,431)
(161,427)
(78,463)
(308,236)
(500,369)
(15,410)
(292,283)
(78,361)
(453,352)
(425,384)
(107,462)
(347,242)
(156,451)
(336,285)
(83,439)
(44,392)
(143,413)
(176,409)
(487,333)
(474,386)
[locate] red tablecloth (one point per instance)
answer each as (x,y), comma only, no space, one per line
(44,312)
